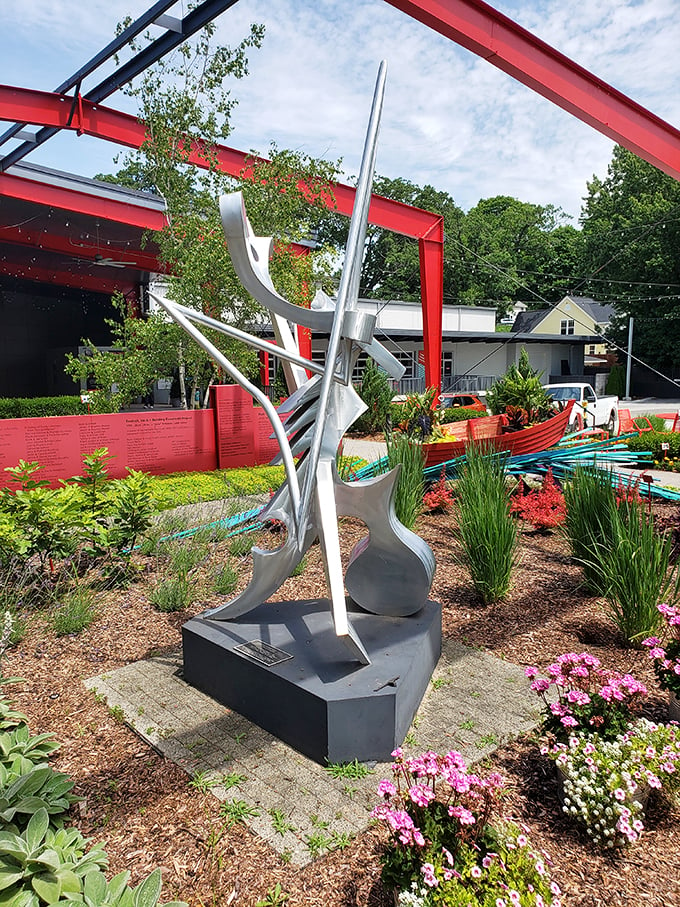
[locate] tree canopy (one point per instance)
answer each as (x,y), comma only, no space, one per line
(631,236)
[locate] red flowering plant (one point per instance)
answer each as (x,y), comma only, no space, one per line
(444,849)
(543,507)
(580,696)
(666,652)
(439,498)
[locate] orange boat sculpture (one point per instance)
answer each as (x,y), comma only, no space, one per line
(490,430)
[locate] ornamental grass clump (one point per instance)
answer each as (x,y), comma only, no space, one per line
(591,503)
(444,848)
(665,651)
(636,572)
(486,528)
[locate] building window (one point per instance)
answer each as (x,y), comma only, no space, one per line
(567,326)
(591,350)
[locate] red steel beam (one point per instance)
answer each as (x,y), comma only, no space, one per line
(44,108)
(483,30)
(80,202)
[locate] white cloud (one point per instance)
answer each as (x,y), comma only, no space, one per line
(450,118)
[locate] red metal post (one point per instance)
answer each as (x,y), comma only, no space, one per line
(431,251)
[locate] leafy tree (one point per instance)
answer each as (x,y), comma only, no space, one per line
(187,107)
(391,265)
(512,250)
(631,232)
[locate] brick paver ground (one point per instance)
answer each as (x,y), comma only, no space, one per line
(473,703)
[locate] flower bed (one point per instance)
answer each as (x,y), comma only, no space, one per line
(449,845)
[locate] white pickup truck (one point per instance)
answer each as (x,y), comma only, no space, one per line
(590,411)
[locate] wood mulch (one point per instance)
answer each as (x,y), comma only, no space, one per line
(146,812)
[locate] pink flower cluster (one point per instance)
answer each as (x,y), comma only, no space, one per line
(580,694)
(435,783)
(666,655)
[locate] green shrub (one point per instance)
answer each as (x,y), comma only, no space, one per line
(187,554)
(652,440)
(486,528)
(407,453)
(192,487)
(49,521)
(226,579)
(376,392)
(636,572)
(172,594)
(75,612)
(591,510)
(240,544)
(10,408)
(37,407)
(616,382)
(460,414)
(658,423)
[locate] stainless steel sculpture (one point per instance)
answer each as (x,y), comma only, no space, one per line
(390,571)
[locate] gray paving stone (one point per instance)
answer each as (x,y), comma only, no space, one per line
(474,702)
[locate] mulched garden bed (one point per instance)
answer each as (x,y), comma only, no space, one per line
(146,812)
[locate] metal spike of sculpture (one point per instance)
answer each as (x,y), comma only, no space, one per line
(390,571)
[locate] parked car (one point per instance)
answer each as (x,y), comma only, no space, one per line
(590,411)
(450,400)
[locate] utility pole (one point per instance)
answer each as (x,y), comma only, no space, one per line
(630,356)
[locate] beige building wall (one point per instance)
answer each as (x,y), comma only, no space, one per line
(569,319)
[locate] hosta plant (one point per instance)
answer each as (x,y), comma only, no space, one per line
(43,865)
(25,789)
(18,741)
(448,845)
(47,866)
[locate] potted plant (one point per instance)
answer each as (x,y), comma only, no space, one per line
(666,655)
(607,757)
(448,845)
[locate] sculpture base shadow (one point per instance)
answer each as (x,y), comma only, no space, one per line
(316,700)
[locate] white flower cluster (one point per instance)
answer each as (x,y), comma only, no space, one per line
(606,782)
(416,896)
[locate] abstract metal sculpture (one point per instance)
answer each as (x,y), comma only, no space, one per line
(390,571)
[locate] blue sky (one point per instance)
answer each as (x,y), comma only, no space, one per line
(450,119)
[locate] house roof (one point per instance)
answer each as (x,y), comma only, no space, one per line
(600,313)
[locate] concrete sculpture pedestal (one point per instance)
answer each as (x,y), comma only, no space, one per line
(282,667)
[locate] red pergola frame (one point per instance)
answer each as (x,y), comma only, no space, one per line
(49,109)
(474,25)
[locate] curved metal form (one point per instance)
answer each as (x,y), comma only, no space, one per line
(391,570)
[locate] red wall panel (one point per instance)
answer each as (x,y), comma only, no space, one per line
(155,442)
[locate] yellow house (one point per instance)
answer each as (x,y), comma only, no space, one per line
(571,316)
